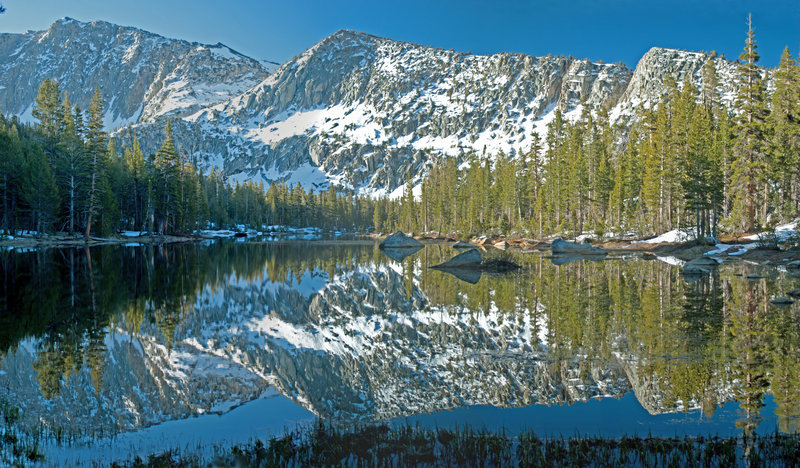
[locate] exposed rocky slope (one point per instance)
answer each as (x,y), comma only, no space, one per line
(355,110)
(368,112)
(141,75)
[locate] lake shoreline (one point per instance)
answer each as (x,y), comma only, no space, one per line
(69,241)
(748,250)
(63,240)
(685,251)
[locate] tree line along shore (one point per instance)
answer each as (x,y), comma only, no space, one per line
(687,161)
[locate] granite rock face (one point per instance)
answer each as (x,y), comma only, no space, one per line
(354,110)
(142,76)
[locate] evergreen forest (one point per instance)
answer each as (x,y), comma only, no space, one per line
(690,161)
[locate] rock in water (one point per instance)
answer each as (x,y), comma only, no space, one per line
(560,246)
(463,246)
(699,266)
(398,240)
(469,259)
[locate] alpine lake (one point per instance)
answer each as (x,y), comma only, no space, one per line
(115,351)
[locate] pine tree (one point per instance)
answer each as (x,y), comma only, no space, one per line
(167,188)
(11,168)
(710,83)
(750,144)
(697,171)
(48,111)
(784,142)
(96,147)
(533,183)
(652,190)
(71,167)
(409,211)
(39,189)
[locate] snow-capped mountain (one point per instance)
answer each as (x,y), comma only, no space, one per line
(355,110)
(141,75)
(367,112)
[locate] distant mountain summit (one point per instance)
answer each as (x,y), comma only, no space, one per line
(141,75)
(354,110)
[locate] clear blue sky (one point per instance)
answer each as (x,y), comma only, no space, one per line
(620,30)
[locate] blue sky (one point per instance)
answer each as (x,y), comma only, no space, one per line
(612,31)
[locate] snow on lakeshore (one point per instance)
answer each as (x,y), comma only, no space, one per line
(782,232)
(676,235)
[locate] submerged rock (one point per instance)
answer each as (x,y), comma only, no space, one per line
(463,246)
(560,246)
(699,266)
(400,240)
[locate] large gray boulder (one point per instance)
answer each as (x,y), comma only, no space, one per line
(398,240)
(470,259)
(560,246)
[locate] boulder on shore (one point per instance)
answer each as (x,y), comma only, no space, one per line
(398,240)
(560,246)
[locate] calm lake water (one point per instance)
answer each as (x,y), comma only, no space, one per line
(120,350)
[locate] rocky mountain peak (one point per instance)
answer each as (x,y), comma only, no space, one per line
(657,65)
(141,75)
(355,110)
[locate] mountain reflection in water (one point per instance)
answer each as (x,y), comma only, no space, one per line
(114,339)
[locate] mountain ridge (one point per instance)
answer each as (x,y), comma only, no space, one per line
(141,75)
(361,111)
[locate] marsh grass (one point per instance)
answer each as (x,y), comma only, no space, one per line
(387,446)
(16,447)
